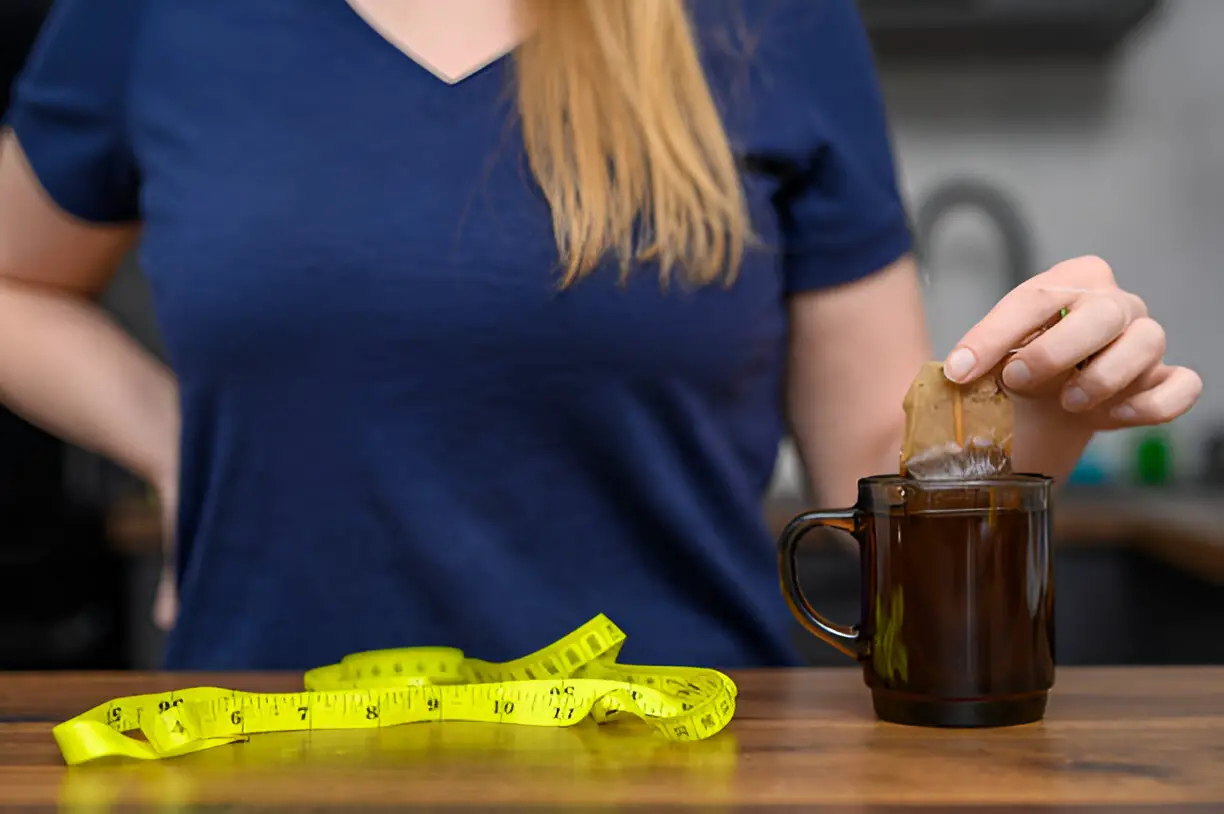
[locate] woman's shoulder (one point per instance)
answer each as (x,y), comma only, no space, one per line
(808,32)
(786,59)
(798,88)
(87,27)
(68,105)
(791,72)
(84,48)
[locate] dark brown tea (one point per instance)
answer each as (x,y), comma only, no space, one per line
(958,623)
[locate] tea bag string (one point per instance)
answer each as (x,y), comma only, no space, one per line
(1052,321)
(958,416)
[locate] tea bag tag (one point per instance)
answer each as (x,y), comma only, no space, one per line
(956,431)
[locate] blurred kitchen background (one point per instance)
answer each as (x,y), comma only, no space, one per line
(1027,131)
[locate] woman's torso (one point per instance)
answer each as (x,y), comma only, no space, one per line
(397,429)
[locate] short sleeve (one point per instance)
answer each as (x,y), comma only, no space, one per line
(68,109)
(840,212)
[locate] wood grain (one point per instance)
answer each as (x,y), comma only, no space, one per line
(1113,738)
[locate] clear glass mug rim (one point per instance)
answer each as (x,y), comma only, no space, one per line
(1017,479)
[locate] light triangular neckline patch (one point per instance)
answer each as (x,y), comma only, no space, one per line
(451,74)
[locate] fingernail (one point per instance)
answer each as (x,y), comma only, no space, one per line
(1016,374)
(1075,399)
(1124,412)
(959,364)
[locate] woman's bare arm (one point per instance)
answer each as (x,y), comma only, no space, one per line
(64,364)
(854,351)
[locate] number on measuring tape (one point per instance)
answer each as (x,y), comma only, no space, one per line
(380,688)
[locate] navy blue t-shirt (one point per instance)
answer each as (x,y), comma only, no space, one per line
(397,428)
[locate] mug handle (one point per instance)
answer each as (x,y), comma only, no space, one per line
(846,638)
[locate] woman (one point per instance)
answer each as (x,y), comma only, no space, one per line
(483,317)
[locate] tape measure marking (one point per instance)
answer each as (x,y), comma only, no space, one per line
(559,685)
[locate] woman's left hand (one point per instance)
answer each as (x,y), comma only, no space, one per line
(1123,381)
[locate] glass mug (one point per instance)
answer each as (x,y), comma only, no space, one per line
(957,625)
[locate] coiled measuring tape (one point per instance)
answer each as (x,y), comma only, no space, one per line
(559,685)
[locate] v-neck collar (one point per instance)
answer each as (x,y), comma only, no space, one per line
(404,50)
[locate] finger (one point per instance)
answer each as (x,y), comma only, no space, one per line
(1091,324)
(1015,318)
(1114,369)
(1167,400)
(1152,377)
(1027,308)
(1088,271)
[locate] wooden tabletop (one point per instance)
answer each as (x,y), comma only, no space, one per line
(1151,738)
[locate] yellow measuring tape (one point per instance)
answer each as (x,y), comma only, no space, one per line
(560,685)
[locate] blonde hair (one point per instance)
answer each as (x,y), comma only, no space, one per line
(623,136)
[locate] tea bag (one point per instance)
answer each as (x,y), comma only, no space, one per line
(954,431)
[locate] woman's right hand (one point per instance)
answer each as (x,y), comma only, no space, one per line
(65,365)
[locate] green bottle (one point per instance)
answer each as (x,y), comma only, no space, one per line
(1154,459)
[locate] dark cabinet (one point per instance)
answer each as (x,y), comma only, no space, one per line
(1000,28)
